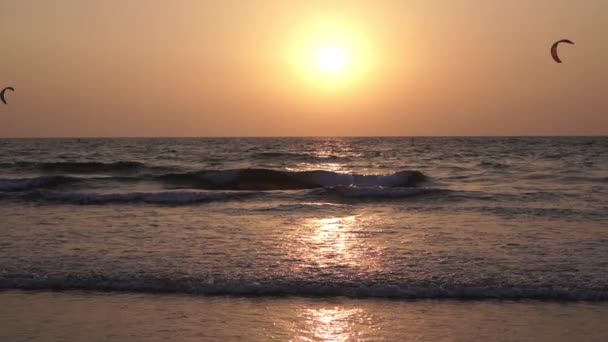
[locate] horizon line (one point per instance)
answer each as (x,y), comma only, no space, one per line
(311,136)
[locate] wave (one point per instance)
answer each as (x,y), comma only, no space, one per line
(52,182)
(181,197)
(21,184)
(165,197)
(184,188)
(80,167)
(302,288)
(371,193)
(267,179)
(236,179)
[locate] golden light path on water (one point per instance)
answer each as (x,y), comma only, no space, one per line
(333,324)
(332,239)
(67,316)
(333,244)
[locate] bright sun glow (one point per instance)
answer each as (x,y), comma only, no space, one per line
(331,54)
(332,59)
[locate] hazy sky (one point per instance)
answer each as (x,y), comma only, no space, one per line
(243,67)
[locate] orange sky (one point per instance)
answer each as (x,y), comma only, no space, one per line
(226,68)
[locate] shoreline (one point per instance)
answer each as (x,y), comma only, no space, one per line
(194,296)
(279,296)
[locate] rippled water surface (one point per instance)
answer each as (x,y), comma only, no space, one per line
(431,218)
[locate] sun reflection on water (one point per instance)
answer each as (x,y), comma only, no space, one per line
(330,324)
(332,167)
(337,243)
(333,233)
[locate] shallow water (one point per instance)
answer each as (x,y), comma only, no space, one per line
(434,218)
(78,316)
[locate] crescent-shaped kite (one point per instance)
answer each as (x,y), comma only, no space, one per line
(554,49)
(3,92)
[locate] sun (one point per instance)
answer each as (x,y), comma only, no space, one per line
(330,55)
(331,59)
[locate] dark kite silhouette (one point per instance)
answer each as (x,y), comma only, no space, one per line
(3,92)
(554,49)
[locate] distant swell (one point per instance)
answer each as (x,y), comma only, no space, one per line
(285,287)
(265,179)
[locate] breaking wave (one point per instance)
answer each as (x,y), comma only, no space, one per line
(237,179)
(165,197)
(205,186)
(266,179)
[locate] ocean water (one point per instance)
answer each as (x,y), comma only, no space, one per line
(360,220)
(364,217)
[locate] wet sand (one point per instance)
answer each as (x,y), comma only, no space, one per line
(87,316)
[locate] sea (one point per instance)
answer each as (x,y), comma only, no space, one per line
(304,239)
